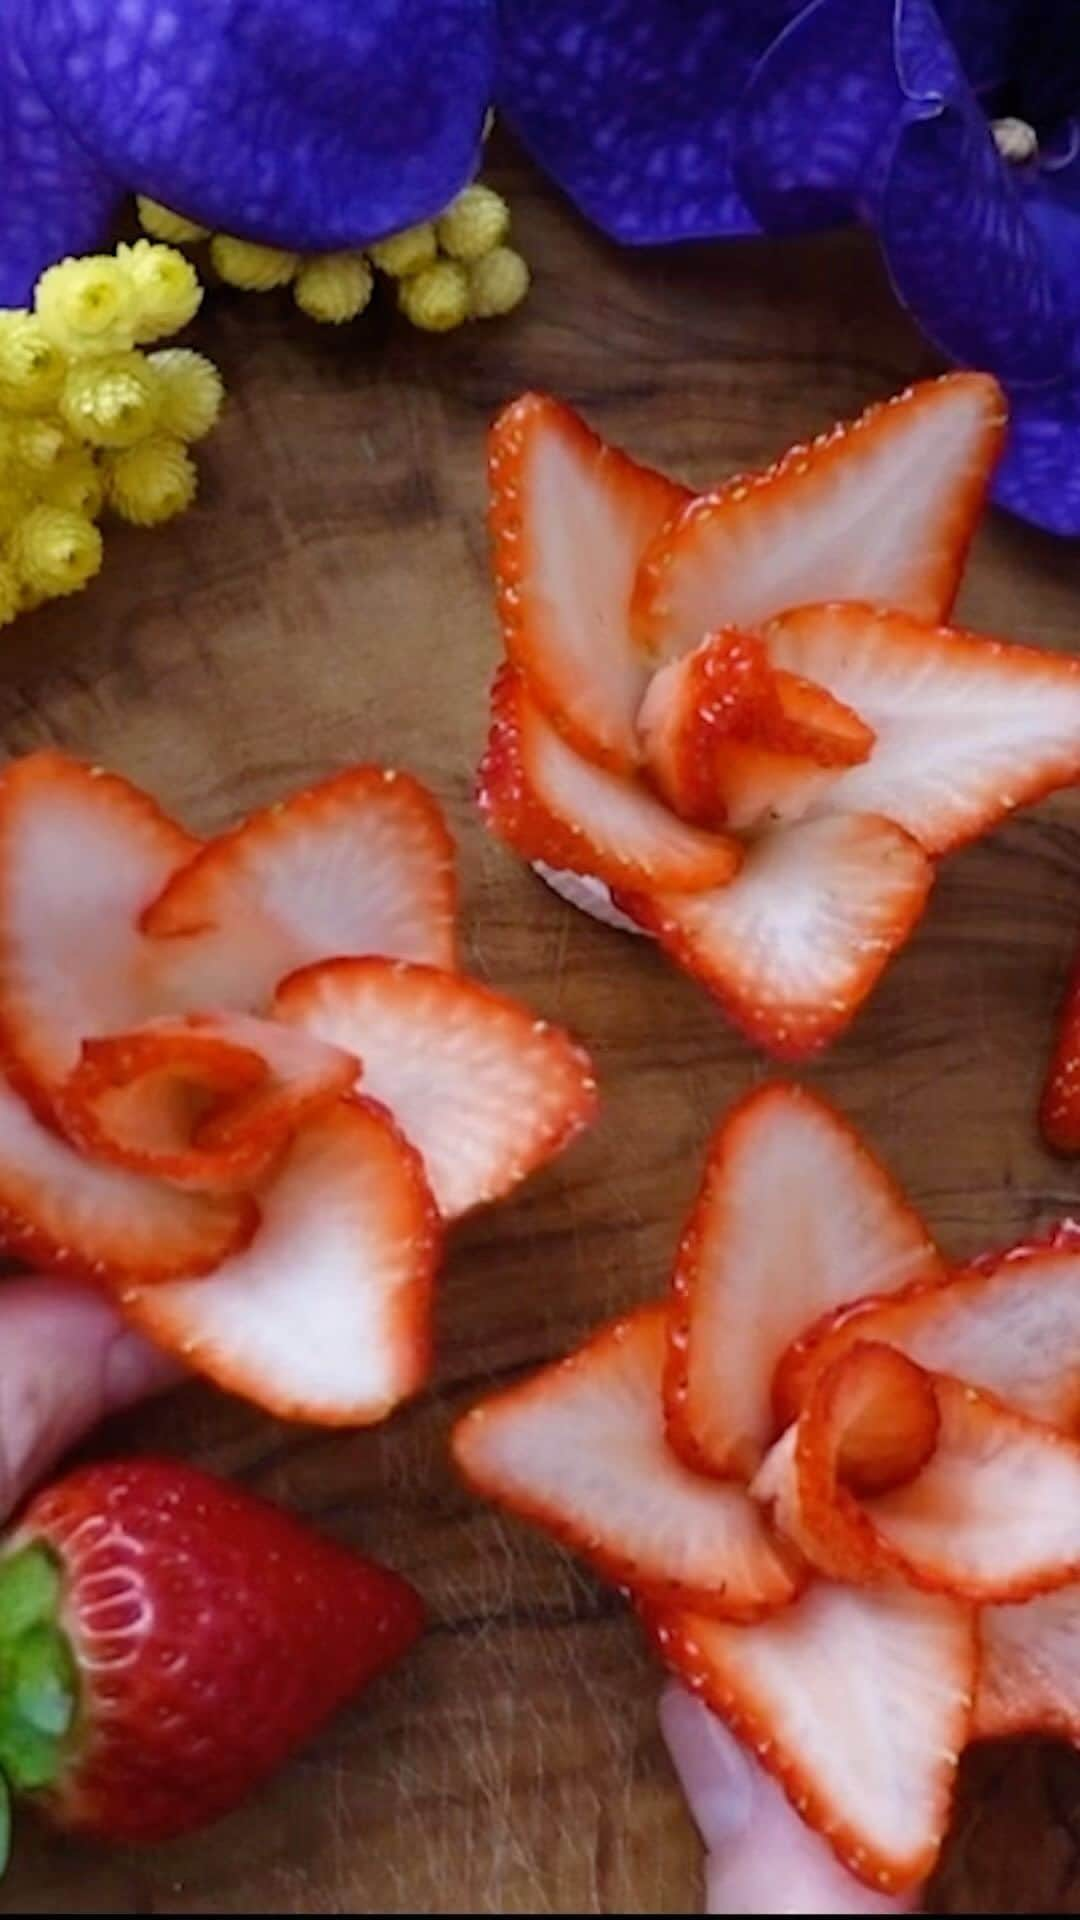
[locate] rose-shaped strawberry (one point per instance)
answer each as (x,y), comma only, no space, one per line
(841,1482)
(245,1085)
(740,714)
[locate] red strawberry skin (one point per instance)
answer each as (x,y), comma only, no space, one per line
(213,1634)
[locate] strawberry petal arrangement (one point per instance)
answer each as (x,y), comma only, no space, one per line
(736,721)
(839,1479)
(246,1087)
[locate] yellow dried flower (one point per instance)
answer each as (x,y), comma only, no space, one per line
(166,225)
(497,284)
(152,482)
(168,291)
(474,223)
(32,368)
(14,499)
(88,306)
(10,593)
(255,269)
(38,443)
(436,299)
(190,391)
(406,252)
(55,552)
(111,402)
(76,482)
(334,287)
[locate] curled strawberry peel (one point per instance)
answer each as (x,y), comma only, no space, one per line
(256,1193)
(916,1477)
(741,711)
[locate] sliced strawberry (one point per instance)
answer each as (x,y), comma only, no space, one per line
(483,1090)
(65,1214)
(207,1100)
(694,708)
(967,728)
(570,519)
(579,1449)
(882,509)
(797,942)
(1059,1108)
(989,1505)
(82,853)
(325,1316)
(729,739)
(1013,1330)
(1029,1668)
(543,799)
(858,1700)
(362,863)
(794,1212)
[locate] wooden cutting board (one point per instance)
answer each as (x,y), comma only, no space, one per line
(327,603)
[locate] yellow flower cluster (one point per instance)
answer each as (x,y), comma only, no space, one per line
(445,271)
(88,420)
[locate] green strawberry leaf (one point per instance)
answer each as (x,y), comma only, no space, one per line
(29,1590)
(41,1681)
(28,1758)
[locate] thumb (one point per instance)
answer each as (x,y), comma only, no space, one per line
(66,1360)
(760,1857)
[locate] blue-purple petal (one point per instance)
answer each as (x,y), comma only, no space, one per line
(1039,476)
(628,105)
(817,122)
(963,254)
(985,34)
(54,199)
(304,123)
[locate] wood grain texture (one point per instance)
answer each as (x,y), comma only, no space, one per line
(328,602)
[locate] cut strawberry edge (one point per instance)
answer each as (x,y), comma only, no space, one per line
(64,1213)
(793,1210)
(882,508)
(1008,1325)
(796,943)
(326,1316)
(551,805)
(968,728)
(569,519)
(795,1681)
(71,957)
(484,1090)
(696,706)
(579,1451)
(988,1508)
(1029,1669)
(361,863)
(205,1100)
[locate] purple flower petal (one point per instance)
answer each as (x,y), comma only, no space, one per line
(1039,476)
(985,34)
(628,105)
(54,199)
(963,254)
(304,123)
(818,121)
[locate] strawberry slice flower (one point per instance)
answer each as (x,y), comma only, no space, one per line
(739,717)
(827,1454)
(245,1086)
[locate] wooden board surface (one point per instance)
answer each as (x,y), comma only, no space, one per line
(327,603)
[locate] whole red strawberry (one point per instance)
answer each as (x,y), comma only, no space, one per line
(166,1640)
